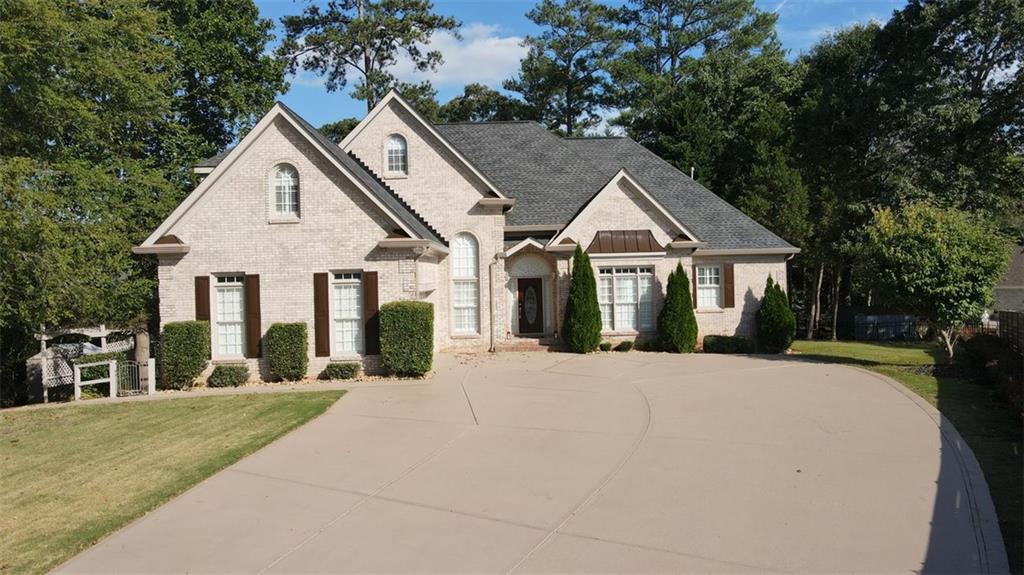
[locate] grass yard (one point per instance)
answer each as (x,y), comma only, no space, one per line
(976,410)
(73,474)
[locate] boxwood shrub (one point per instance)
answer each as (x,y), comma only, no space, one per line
(605,346)
(185,346)
(288,350)
(407,337)
(228,376)
(624,345)
(346,370)
(727,344)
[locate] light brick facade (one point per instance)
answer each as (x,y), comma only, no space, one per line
(230,229)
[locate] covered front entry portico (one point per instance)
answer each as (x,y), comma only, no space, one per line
(531,292)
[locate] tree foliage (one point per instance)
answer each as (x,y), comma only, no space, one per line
(478,103)
(106,105)
(776,323)
(563,77)
(581,328)
(939,264)
(362,36)
(677,324)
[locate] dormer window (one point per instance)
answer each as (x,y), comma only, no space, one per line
(397,156)
(286,192)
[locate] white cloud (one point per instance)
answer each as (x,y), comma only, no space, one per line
(483,55)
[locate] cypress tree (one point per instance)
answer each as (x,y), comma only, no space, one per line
(677,325)
(776,323)
(582,326)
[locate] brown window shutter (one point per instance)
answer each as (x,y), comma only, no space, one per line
(321,316)
(371,315)
(203,298)
(693,286)
(728,287)
(253,325)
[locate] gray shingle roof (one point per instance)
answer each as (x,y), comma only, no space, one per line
(552,178)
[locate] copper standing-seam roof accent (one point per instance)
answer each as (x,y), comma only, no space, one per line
(624,242)
(566,242)
(168,239)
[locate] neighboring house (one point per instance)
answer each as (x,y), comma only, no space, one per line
(1009,292)
(480,219)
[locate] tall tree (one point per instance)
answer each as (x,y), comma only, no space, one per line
(362,36)
(563,77)
(96,138)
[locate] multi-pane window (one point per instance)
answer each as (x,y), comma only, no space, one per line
(398,155)
(286,192)
(709,286)
(465,284)
(348,313)
(230,315)
(626,297)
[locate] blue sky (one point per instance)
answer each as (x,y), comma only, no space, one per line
(492,31)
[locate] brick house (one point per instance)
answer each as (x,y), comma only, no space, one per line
(480,219)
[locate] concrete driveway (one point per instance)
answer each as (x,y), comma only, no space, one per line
(612,463)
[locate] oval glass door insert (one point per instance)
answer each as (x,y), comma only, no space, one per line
(530,303)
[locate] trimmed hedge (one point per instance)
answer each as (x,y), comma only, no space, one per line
(776,323)
(103,356)
(677,325)
(605,346)
(407,337)
(624,345)
(582,324)
(288,350)
(346,370)
(228,376)
(185,346)
(727,344)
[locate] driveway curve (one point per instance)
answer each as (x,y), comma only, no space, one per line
(634,462)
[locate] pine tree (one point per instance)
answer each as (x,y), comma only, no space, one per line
(677,325)
(582,326)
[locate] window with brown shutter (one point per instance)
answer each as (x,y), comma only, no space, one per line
(253,326)
(203,298)
(728,286)
(371,315)
(321,316)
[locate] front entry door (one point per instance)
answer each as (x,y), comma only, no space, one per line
(531,305)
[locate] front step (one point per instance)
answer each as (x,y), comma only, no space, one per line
(529,344)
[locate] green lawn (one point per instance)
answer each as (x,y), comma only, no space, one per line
(980,415)
(72,474)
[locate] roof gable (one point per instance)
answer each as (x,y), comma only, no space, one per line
(393,97)
(589,209)
(381,196)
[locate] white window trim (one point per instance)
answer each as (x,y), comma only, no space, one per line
(464,333)
(652,274)
(388,173)
(215,354)
(273,216)
(721,280)
(337,354)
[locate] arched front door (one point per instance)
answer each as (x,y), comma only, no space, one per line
(530,301)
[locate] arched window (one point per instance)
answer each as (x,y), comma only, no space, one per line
(465,284)
(286,192)
(398,155)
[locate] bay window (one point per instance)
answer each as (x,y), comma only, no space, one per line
(626,298)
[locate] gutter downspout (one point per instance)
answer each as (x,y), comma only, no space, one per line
(490,274)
